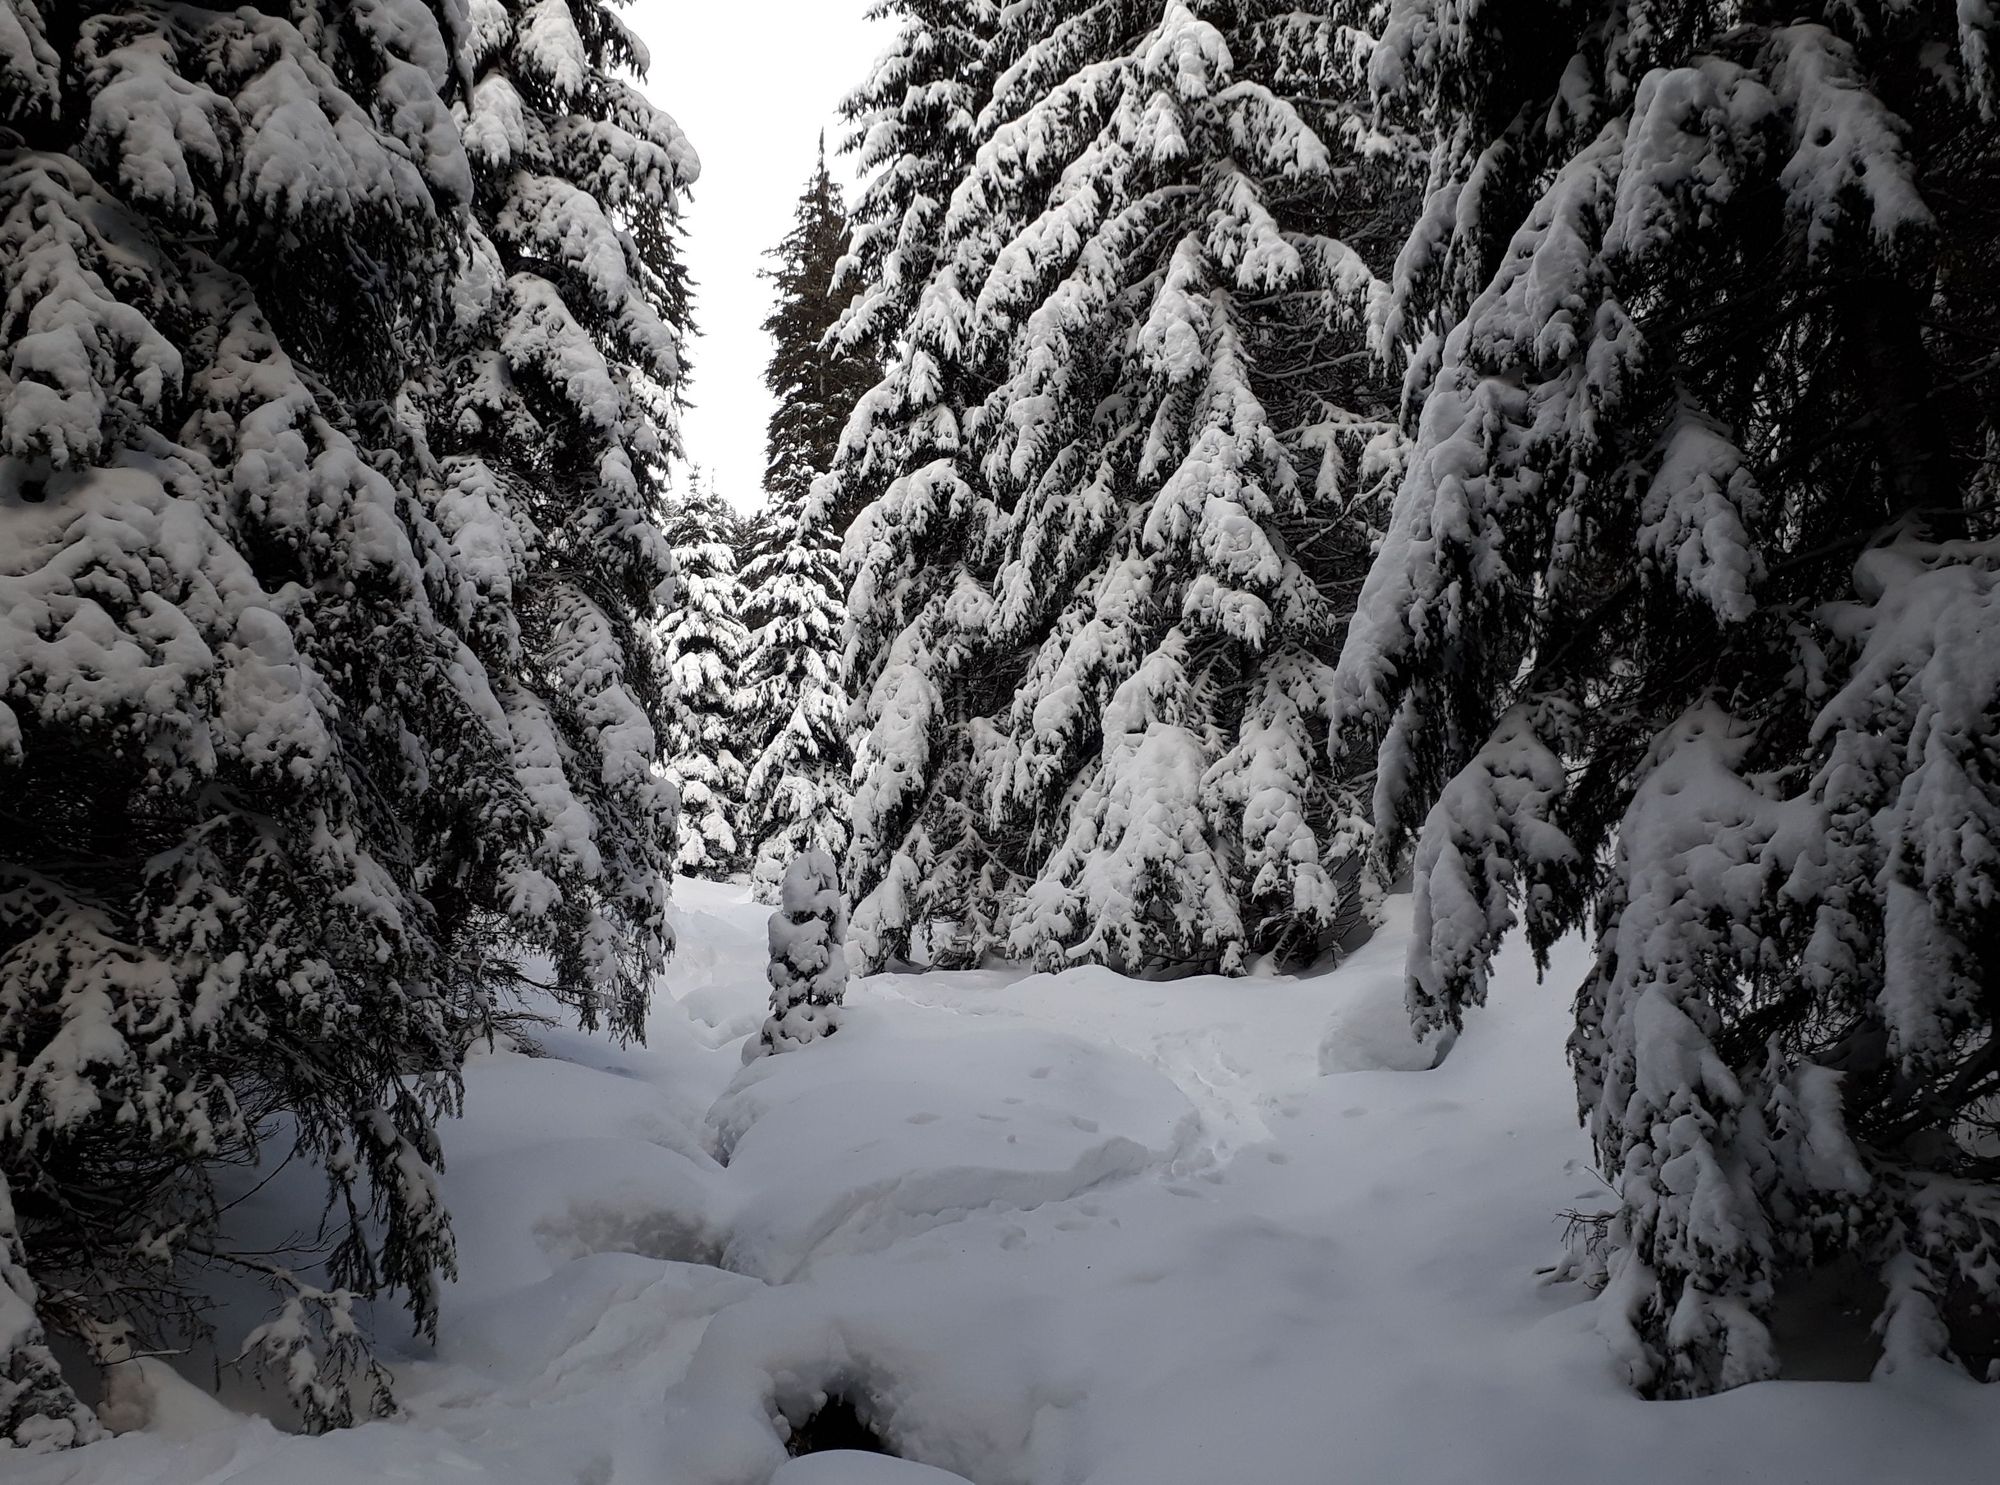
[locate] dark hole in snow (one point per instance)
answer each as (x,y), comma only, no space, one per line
(835,1424)
(34,492)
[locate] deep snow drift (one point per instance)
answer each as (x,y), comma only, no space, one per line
(1067,1230)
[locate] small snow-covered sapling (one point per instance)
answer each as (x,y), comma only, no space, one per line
(808,961)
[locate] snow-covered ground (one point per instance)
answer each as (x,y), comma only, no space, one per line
(1067,1230)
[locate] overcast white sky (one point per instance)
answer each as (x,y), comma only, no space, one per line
(752,84)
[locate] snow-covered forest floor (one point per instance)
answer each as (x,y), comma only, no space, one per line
(1068,1230)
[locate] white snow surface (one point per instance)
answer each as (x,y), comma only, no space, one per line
(846,1467)
(1045,1230)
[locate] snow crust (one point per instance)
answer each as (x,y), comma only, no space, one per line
(1063,1229)
(847,1467)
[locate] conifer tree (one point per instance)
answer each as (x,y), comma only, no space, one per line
(914,125)
(915,558)
(814,377)
(38,1407)
(798,791)
(797,795)
(704,642)
(808,969)
(553,417)
(1683,627)
(1193,453)
(1135,449)
(265,804)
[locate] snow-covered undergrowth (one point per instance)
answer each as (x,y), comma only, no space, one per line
(1067,1230)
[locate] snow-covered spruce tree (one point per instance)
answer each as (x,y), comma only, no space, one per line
(808,963)
(704,641)
(1024,438)
(916,558)
(262,811)
(913,125)
(926,869)
(815,378)
(1192,454)
(798,794)
(552,416)
(222,682)
(1686,624)
(38,1407)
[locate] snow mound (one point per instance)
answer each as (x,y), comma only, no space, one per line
(717,981)
(903,1123)
(146,1393)
(719,1014)
(1242,1050)
(1369,1029)
(950,1369)
(525,1101)
(540,1207)
(848,1467)
(591,1320)
(565,1162)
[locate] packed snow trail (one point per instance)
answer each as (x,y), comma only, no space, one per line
(1047,1230)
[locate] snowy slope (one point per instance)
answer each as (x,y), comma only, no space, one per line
(1067,1230)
